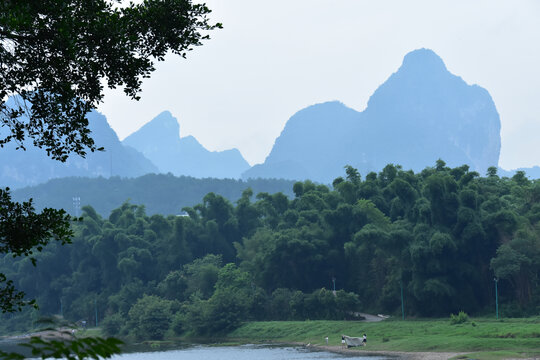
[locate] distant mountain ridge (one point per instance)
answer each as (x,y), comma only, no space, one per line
(419,114)
(159,140)
(20,168)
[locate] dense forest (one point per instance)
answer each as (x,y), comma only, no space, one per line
(160,193)
(440,236)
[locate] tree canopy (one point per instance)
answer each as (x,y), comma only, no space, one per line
(442,235)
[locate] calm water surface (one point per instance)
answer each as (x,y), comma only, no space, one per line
(245,352)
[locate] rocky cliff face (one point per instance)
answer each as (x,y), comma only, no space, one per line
(420,114)
(160,141)
(315,144)
(425,113)
(24,168)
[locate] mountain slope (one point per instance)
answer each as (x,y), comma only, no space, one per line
(314,143)
(25,168)
(420,114)
(159,140)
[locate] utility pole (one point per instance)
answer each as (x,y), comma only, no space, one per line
(95,307)
(402,307)
(496,298)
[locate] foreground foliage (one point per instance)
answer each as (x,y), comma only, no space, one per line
(56,57)
(73,349)
(22,233)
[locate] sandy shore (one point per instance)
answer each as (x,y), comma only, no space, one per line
(398,354)
(61,333)
(401,355)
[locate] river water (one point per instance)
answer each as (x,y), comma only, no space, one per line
(244,352)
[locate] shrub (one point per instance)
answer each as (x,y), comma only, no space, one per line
(112,324)
(178,323)
(280,304)
(150,317)
(460,318)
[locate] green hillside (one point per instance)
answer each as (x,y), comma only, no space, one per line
(160,193)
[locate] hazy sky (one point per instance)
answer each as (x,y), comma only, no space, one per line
(273,58)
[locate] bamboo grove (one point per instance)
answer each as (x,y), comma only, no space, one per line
(440,237)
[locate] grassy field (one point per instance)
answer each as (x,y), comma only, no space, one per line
(482,338)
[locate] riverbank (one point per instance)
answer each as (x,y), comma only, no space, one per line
(410,339)
(63,333)
(437,339)
(401,355)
